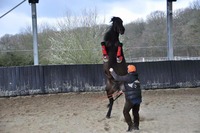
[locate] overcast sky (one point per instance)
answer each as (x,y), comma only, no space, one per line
(49,11)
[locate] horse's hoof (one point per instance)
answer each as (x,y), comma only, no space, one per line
(108,117)
(105,58)
(119,59)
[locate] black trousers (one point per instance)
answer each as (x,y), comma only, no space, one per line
(135,111)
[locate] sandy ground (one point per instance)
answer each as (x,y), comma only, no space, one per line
(162,111)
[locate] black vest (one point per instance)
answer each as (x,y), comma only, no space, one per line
(132,88)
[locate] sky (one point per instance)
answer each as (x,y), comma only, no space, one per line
(50,11)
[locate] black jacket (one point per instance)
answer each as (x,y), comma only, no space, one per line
(132,86)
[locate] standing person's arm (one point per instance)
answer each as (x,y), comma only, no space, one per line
(118,77)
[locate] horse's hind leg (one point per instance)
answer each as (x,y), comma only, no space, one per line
(110,105)
(110,92)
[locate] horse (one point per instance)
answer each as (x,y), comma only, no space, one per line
(113,48)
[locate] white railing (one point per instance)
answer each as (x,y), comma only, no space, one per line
(150,59)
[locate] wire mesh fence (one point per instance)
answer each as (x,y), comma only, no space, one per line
(132,54)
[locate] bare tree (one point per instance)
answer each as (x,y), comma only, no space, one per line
(186,34)
(78,39)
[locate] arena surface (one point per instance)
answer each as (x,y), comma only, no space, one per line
(162,111)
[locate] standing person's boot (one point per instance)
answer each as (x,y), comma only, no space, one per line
(130,127)
(136,117)
(136,127)
(104,52)
(136,123)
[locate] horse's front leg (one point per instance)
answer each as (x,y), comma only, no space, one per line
(110,105)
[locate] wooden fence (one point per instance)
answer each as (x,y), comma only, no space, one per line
(29,80)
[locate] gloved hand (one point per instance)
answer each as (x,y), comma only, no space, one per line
(121,92)
(111,69)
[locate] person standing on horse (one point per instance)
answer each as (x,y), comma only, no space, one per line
(133,96)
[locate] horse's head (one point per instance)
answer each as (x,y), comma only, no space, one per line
(118,25)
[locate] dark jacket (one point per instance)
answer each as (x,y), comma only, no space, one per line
(132,86)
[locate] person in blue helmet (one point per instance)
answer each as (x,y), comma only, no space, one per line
(133,96)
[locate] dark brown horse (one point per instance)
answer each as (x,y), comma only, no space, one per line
(112,44)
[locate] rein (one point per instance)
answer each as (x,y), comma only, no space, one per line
(117,94)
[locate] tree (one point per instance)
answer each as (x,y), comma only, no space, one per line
(133,39)
(12,52)
(78,40)
(187,31)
